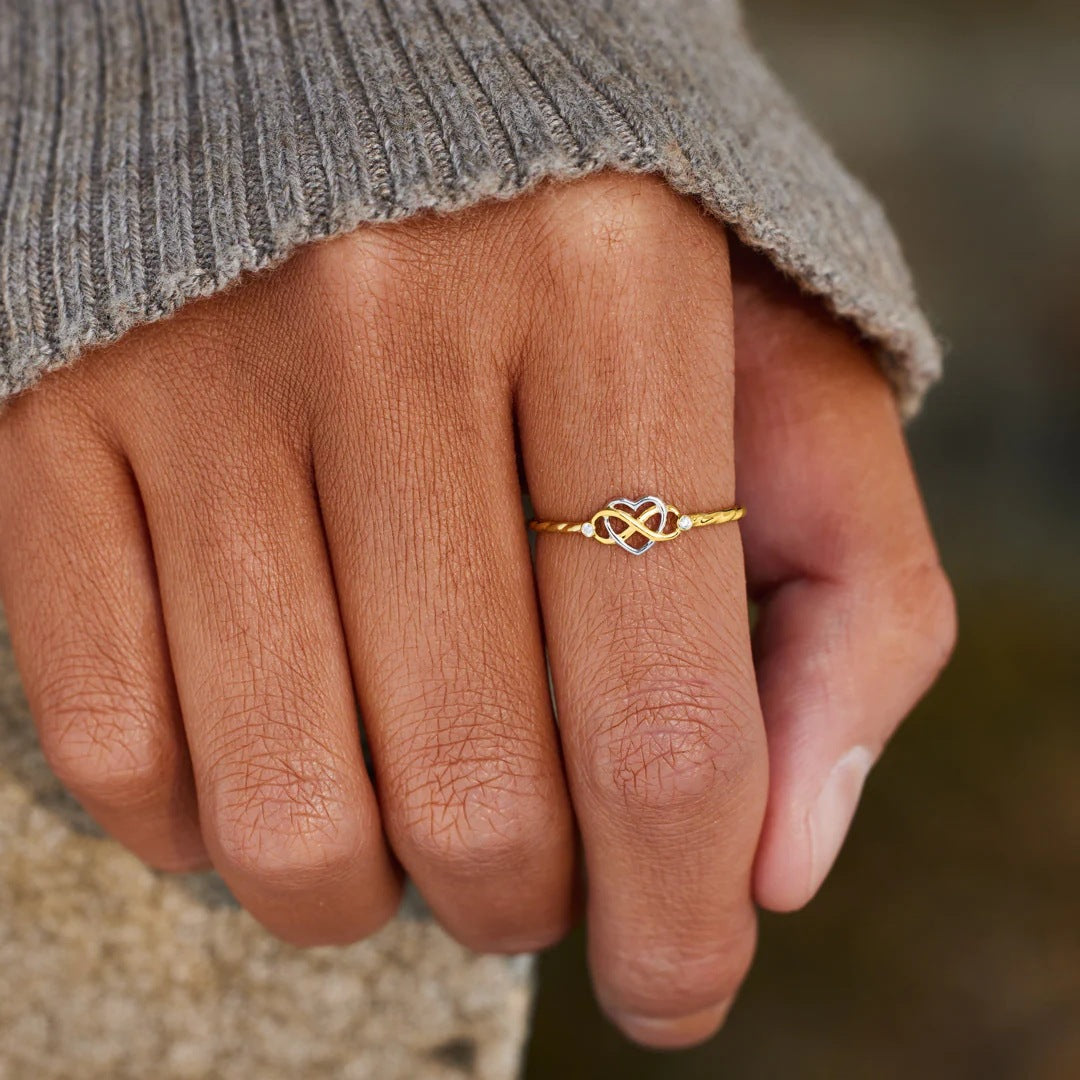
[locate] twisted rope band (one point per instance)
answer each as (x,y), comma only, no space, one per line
(651,518)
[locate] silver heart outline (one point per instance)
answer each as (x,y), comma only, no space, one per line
(659,507)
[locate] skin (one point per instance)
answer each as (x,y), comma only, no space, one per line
(220,534)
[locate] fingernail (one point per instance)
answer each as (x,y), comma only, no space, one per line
(673,1034)
(831,815)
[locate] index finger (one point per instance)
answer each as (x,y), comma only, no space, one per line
(650,654)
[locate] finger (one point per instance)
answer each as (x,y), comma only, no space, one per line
(288,812)
(856,616)
(631,394)
(421,501)
(80,594)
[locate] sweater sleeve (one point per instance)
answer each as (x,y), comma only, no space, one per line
(153,150)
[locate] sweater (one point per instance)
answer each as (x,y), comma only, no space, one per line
(152,151)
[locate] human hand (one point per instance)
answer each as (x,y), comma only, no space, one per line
(221,533)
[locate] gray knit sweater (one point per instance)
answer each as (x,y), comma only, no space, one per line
(151,151)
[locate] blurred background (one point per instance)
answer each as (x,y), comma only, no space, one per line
(947,941)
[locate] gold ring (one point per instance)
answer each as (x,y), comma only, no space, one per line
(649,518)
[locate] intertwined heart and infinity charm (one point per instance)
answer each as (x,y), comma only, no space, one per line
(636,525)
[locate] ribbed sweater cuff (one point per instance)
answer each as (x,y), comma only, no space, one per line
(152,150)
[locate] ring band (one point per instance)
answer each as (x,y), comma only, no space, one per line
(649,517)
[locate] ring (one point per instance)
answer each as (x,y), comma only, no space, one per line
(650,519)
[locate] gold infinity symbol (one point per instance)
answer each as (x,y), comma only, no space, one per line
(649,518)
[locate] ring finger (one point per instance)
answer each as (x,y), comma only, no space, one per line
(288,813)
(650,655)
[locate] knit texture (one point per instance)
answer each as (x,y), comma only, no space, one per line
(153,150)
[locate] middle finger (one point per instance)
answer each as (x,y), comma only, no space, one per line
(421,502)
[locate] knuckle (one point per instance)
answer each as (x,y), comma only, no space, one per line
(400,296)
(466,839)
(280,822)
(598,226)
(668,746)
(923,598)
(611,227)
(468,793)
(613,207)
(101,743)
(939,618)
(364,274)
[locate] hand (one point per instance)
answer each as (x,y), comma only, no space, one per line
(222,533)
